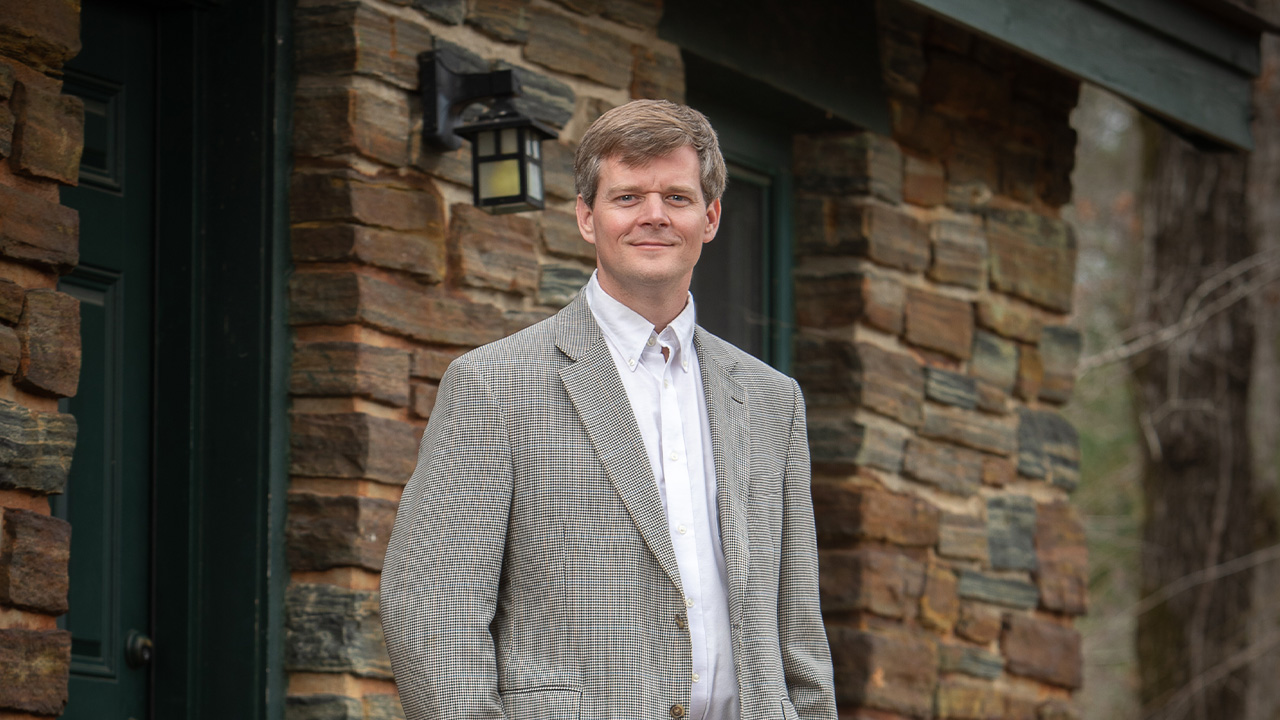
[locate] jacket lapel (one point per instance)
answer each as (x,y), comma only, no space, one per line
(728,414)
(601,401)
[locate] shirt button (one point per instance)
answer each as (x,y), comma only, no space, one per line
(688,603)
(680,529)
(652,341)
(631,362)
(666,383)
(696,678)
(677,711)
(685,364)
(675,456)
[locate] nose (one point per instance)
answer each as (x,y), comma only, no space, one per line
(653,211)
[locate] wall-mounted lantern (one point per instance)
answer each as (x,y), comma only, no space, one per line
(506,147)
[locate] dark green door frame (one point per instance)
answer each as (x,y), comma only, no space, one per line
(221,358)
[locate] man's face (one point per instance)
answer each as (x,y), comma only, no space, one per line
(648,224)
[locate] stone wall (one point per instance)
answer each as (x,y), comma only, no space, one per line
(40,141)
(934,280)
(933,284)
(396,274)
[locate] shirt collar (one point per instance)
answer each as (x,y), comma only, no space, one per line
(629,332)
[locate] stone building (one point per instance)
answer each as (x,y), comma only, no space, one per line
(231,275)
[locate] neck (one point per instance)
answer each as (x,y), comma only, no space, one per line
(657,305)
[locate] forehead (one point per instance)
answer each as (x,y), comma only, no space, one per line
(678,168)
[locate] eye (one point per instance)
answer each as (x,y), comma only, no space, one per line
(626,198)
(680,199)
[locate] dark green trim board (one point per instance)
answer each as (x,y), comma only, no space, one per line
(221,359)
(820,52)
(1181,62)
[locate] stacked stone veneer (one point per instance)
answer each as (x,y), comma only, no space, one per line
(40,140)
(396,274)
(933,283)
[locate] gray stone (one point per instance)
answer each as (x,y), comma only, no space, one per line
(1048,448)
(334,629)
(995,360)
(35,448)
(322,707)
(560,280)
(1011,592)
(953,469)
(452,12)
(970,661)
(1060,349)
(969,428)
(963,537)
(950,388)
(959,254)
(1011,530)
(541,97)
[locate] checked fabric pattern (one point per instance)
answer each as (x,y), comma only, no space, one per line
(530,574)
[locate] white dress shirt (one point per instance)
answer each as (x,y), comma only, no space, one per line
(671,409)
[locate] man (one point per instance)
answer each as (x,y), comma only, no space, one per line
(610,516)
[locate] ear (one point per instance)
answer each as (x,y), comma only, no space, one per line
(585,226)
(713,221)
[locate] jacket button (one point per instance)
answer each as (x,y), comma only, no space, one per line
(677,711)
(682,622)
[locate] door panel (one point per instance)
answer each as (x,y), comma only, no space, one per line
(108,497)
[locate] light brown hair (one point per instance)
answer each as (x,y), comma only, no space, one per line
(644,130)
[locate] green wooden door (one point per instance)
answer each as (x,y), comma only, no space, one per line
(108,497)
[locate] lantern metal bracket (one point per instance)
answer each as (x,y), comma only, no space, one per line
(446,92)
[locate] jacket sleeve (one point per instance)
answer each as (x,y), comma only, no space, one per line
(806,658)
(439,584)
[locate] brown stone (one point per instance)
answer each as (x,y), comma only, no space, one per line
(8,123)
(890,383)
(992,399)
(352,115)
(359,39)
(888,669)
(959,254)
(973,169)
(1060,349)
(44,35)
(424,398)
(951,468)
(513,321)
(417,253)
(902,62)
(39,232)
(656,74)
(348,368)
(1042,650)
(1063,573)
(1019,173)
(924,182)
(10,350)
(968,700)
(353,445)
(35,448)
(979,623)
(939,605)
(827,298)
(884,303)
(12,296)
(1057,710)
(507,20)
(325,531)
(1033,257)
(1030,373)
(995,360)
(856,227)
(939,323)
(847,513)
(883,582)
(921,130)
(998,471)
(34,552)
(34,668)
(48,132)
(493,251)
(315,197)
(849,164)
(961,88)
(50,335)
(566,44)
(560,236)
(407,309)
(970,429)
(431,363)
(963,537)
(643,14)
(1009,318)
(557,170)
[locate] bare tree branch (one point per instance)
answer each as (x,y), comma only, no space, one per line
(1170,709)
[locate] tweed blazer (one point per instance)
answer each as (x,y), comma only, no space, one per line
(530,574)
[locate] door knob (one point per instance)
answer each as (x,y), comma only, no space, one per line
(138,649)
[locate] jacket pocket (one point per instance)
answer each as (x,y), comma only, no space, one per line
(542,704)
(789,711)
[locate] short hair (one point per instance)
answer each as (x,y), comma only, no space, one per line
(644,130)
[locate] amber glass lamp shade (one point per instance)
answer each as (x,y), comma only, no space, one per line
(506,163)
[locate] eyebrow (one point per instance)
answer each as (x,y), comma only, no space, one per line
(670,189)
